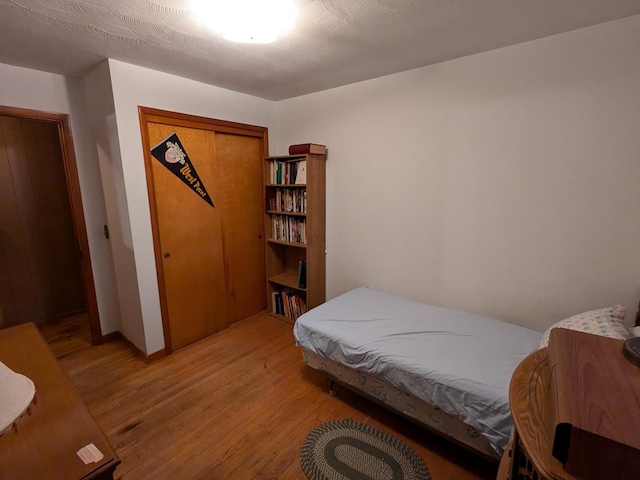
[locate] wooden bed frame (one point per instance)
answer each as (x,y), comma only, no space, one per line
(406,405)
(402,403)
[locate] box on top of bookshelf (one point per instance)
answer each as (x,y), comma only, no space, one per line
(295,215)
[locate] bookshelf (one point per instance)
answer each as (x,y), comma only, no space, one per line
(295,215)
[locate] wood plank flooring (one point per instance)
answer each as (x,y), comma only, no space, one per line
(67,335)
(236,405)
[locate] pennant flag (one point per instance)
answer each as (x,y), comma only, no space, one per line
(170,153)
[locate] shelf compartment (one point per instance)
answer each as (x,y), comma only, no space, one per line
(286,185)
(289,244)
(294,214)
(287,279)
(287,158)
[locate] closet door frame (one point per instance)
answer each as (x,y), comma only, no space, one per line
(153,115)
(63,124)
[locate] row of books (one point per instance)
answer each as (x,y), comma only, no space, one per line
(287,200)
(288,229)
(288,173)
(289,303)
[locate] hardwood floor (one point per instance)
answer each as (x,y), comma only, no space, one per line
(67,335)
(236,405)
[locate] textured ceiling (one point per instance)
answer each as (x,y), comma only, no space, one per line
(337,41)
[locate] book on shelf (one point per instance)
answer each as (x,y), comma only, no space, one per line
(303,148)
(301,173)
(278,306)
(275,169)
(291,171)
(302,274)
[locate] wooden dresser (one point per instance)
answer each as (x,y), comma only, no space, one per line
(46,441)
(610,450)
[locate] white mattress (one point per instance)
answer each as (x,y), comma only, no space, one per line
(457,361)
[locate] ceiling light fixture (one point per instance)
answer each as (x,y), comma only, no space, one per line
(247,21)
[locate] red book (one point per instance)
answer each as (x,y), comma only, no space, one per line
(303,148)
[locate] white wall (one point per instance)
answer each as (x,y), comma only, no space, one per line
(25,88)
(134,86)
(102,116)
(505,183)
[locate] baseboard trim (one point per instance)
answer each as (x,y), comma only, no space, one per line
(117,335)
(110,337)
(155,356)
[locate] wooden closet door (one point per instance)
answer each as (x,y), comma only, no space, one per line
(40,273)
(242,198)
(190,235)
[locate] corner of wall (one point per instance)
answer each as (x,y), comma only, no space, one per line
(100,98)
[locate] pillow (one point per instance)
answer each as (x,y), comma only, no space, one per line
(607,322)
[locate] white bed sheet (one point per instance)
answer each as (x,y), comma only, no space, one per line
(459,362)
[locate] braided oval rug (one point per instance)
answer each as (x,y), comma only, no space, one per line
(350,450)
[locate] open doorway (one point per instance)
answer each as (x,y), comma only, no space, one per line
(45,269)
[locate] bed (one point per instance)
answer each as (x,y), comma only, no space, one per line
(447,370)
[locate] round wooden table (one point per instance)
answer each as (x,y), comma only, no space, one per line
(528,455)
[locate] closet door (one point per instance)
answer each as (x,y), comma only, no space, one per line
(210,259)
(192,277)
(239,160)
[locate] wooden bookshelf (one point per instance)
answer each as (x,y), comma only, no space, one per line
(295,216)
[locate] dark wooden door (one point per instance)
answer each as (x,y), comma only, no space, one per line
(40,272)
